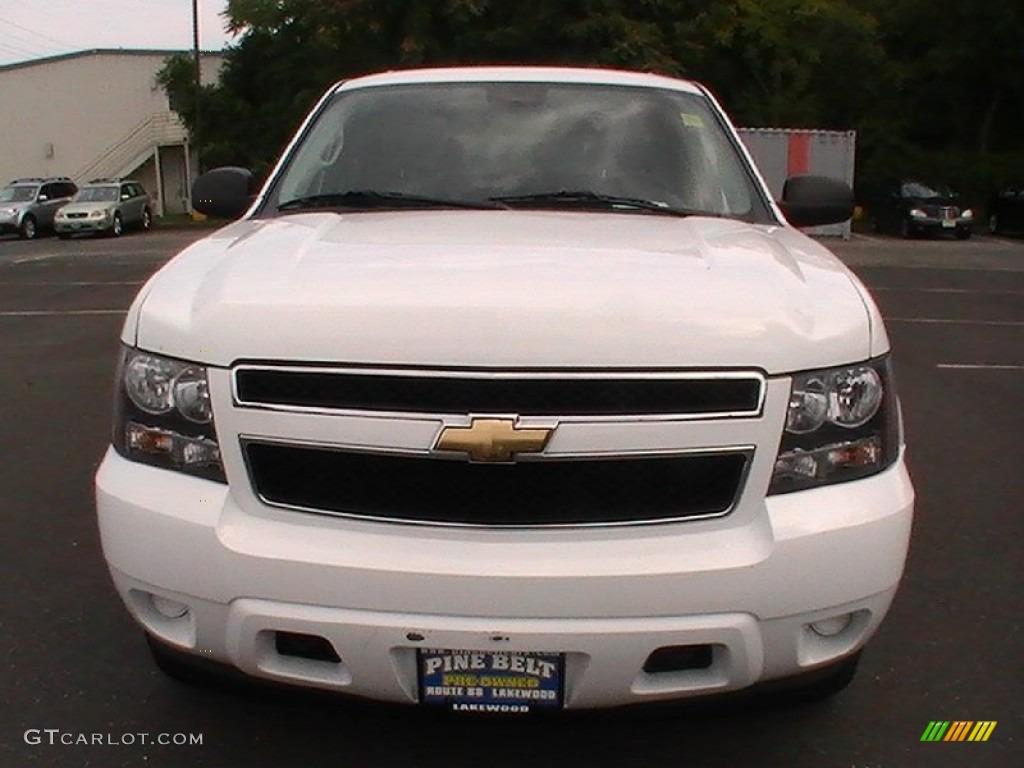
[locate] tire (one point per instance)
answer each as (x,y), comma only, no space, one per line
(117,227)
(28,230)
(905,232)
(994,226)
(147,220)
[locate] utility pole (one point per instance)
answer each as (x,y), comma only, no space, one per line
(199,80)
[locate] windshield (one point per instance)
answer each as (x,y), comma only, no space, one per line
(522,145)
(917,189)
(17,194)
(97,195)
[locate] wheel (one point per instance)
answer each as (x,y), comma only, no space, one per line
(147,220)
(117,228)
(993,225)
(905,229)
(29,229)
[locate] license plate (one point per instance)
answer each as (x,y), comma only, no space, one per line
(948,223)
(491,681)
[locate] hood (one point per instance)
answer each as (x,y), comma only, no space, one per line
(88,207)
(936,201)
(505,289)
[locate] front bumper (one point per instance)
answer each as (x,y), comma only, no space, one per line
(605,598)
(936,226)
(70,226)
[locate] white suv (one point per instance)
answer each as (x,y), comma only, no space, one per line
(511,389)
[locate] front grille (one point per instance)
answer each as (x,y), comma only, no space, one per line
(77,215)
(941,211)
(526,395)
(548,492)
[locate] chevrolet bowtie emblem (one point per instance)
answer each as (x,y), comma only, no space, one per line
(496,440)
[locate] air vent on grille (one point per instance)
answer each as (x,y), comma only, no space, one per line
(529,493)
(575,395)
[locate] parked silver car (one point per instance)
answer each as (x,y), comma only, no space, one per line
(27,206)
(107,206)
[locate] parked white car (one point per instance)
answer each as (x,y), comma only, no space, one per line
(512,388)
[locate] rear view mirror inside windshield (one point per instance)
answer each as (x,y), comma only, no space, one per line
(523,95)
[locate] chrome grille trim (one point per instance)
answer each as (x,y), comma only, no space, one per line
(497,375)
(747,451)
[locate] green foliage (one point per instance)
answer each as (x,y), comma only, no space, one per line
(789,62)
(915,78)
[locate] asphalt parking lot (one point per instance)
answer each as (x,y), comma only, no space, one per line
(950,649)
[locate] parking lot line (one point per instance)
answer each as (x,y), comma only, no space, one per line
(894,288)
(948,321)
(37,257)
(1001,240)
(869,238)
(40,283)
(53,312)
(979,366)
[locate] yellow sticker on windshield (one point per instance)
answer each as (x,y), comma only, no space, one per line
(691,121)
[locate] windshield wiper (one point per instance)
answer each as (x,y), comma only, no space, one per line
(371,198)
(588,199)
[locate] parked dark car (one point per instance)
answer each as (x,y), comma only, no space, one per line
(910,208)
(1006,211)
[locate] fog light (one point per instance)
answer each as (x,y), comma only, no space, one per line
(168,608)
(833,626)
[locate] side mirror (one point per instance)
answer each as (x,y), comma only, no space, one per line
(224,193)
(809,201)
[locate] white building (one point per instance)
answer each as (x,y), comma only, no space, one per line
(97,113)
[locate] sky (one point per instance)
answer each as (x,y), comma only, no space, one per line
(33,29)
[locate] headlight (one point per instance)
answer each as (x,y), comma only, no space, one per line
(841,424)
(917,213)
(854,396)
(191,395)
(147,382)
(967,214)
(163,415)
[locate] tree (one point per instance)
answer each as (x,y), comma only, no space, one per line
(909,75)
(962,65)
